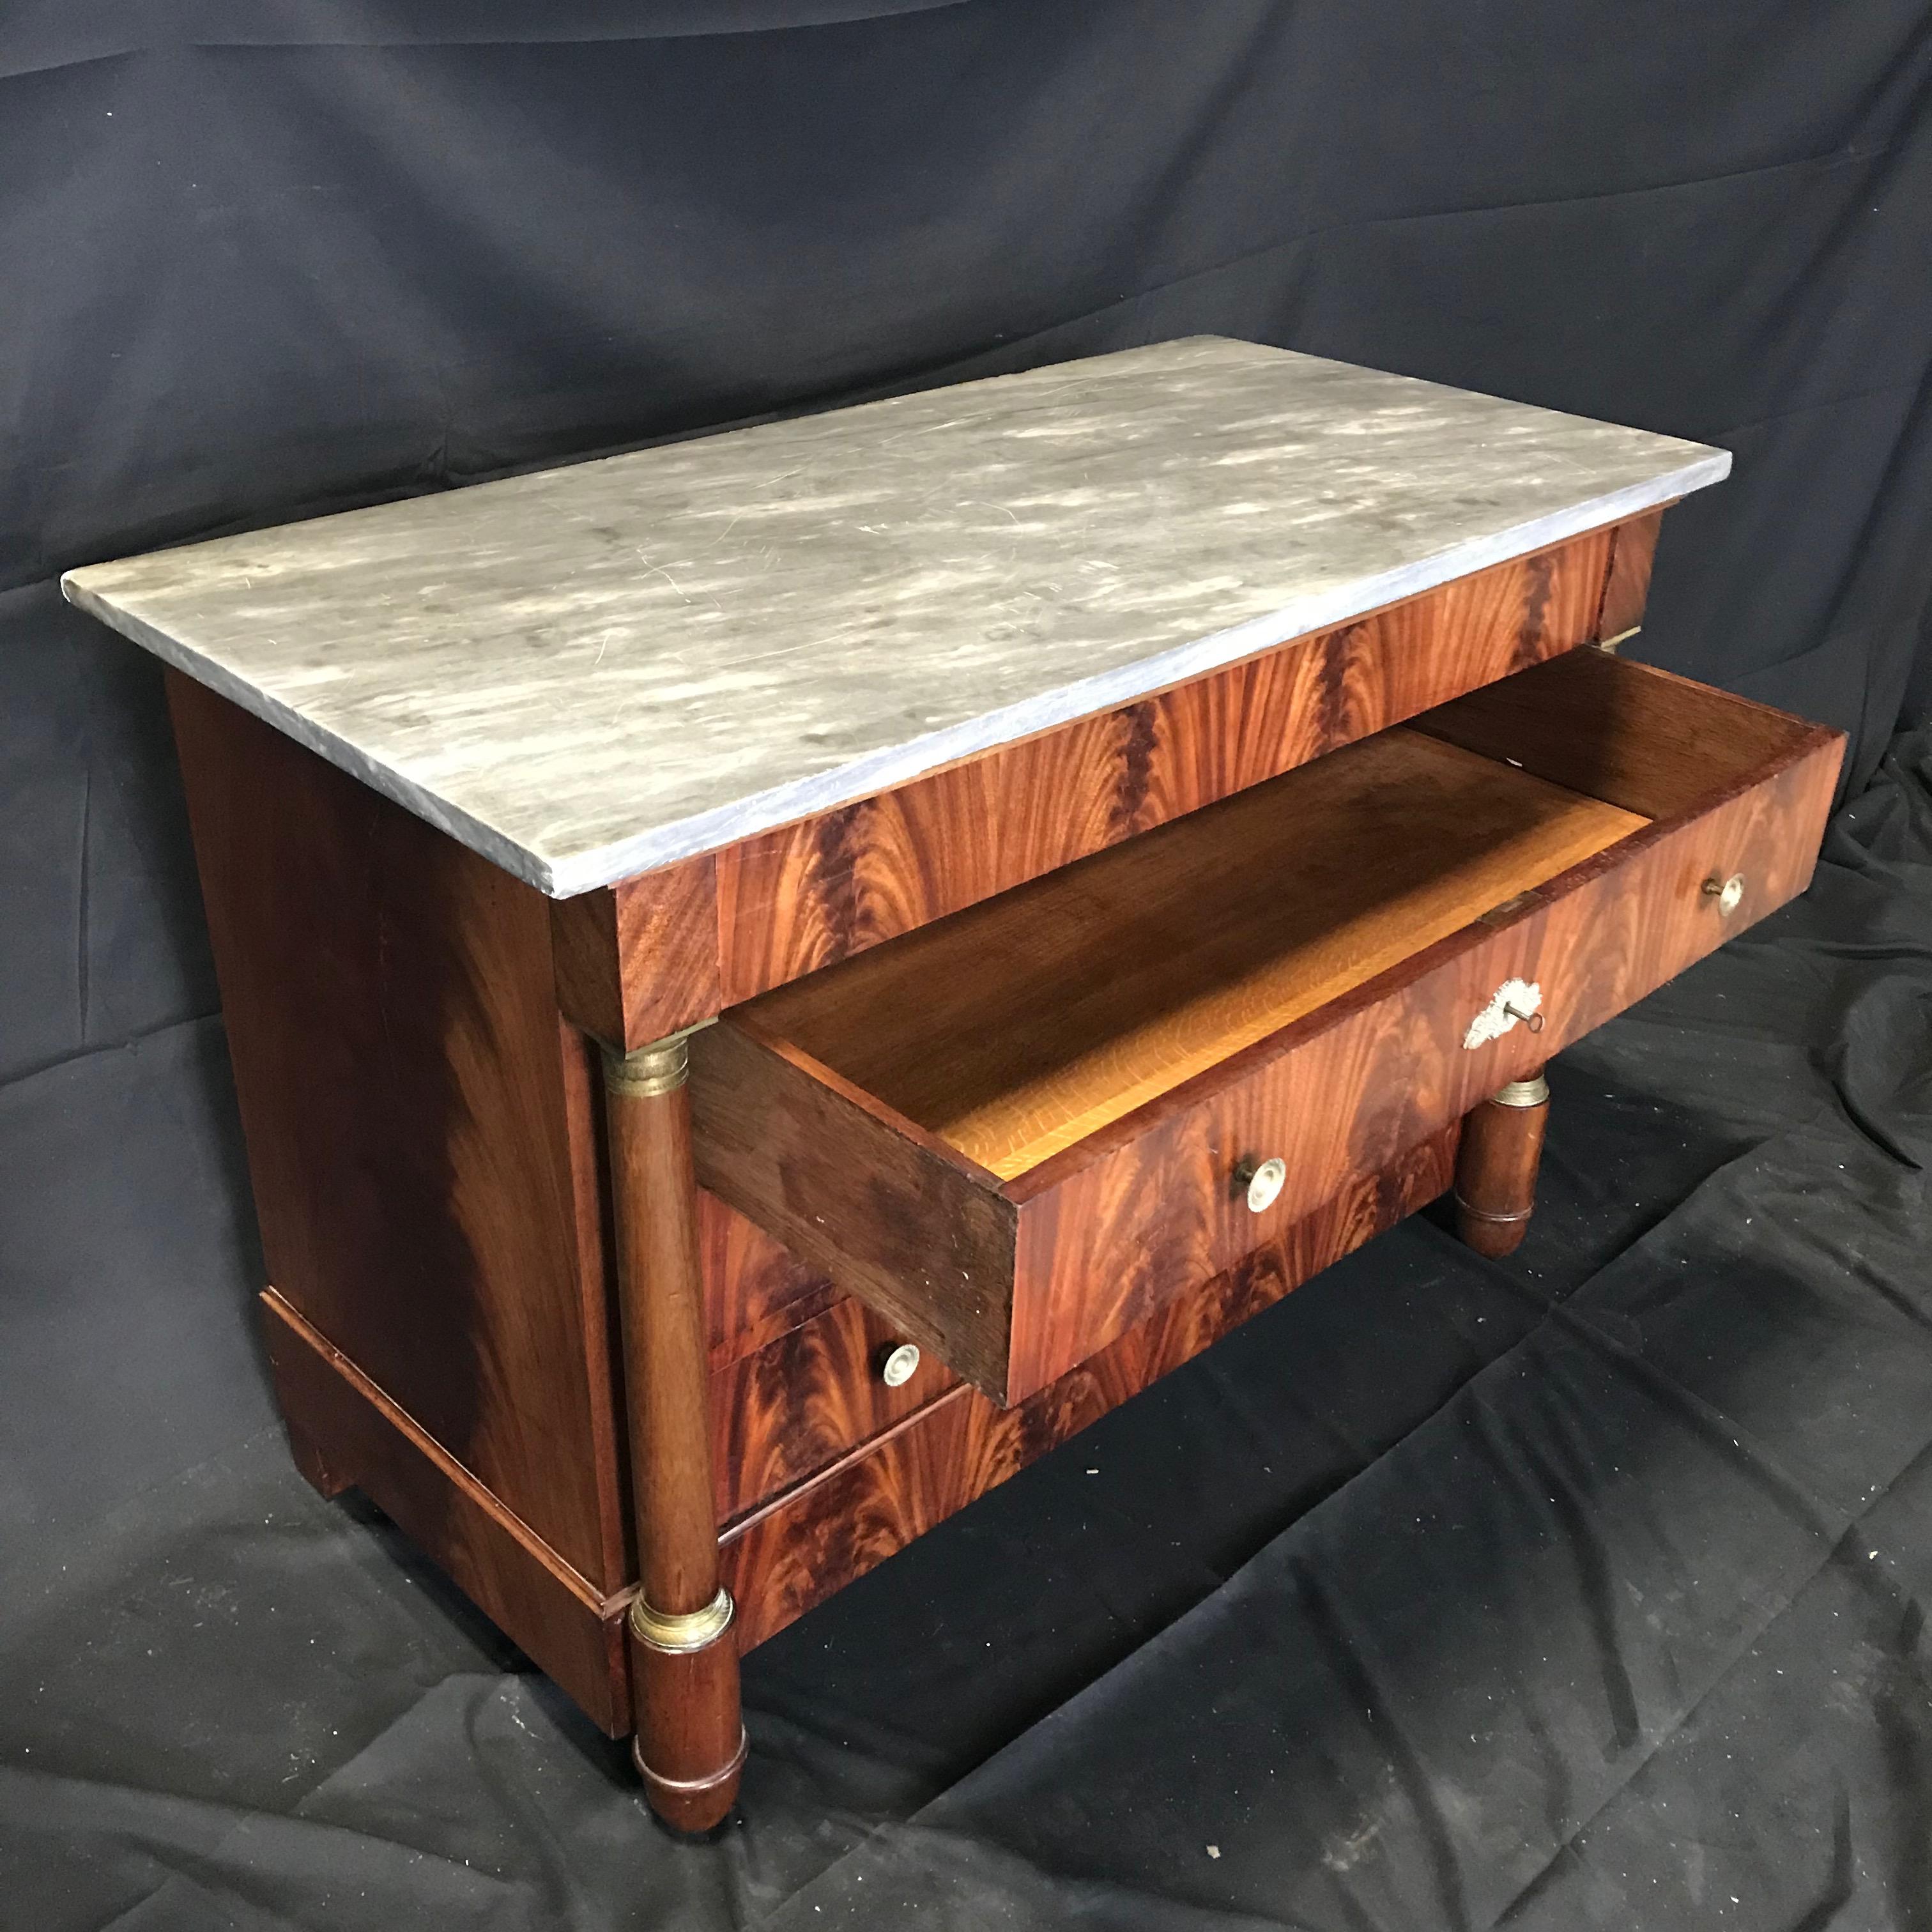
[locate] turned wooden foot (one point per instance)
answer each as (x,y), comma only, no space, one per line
(1496,1164)
(690,1743)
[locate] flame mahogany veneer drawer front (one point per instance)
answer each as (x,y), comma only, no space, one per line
(815,1538)
(794,1406)
(1020,1130)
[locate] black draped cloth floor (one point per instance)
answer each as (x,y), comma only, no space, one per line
(1585,1589)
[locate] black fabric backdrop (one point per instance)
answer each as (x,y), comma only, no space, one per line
(1584,1589)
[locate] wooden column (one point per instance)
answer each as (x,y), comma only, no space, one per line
(1496,1164)
(690,1742)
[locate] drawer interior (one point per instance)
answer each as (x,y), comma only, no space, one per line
(1021,1130)
(1021,1025)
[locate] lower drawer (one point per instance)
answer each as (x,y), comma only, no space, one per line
(1018,1131)
(793,1407)
(781,1559)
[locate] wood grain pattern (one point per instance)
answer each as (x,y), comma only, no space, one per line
(806,1399)
(690,1741)
(1645,740)
(783,1559)
(1111,1227)
(800,897)
(1024,1025)
(1139,1217)
(587,964)
(1627,586)
(596,1272)
(1495,1175)
(405,1092)
(755,1288)
(1104,1231)
(892,1213)
(637,961)
(688,1714)
(660,1294)
(361,1440)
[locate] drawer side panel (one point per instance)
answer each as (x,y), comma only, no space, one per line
(897,1219)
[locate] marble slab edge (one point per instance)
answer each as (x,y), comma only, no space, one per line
(567,875)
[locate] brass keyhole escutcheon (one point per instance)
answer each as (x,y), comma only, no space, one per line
(1729,893)
(1515,1003)
(1262,1181)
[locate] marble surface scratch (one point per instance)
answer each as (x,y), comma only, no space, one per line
(591,671)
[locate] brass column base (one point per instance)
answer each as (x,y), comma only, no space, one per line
(678,1632)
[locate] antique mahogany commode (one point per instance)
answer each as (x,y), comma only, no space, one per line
(771,979)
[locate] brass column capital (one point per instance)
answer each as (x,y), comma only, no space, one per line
(1531,1092)
(646,1072)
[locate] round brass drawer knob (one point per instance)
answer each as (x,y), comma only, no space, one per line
(900,1366)
(1729,893)
(1264,1182)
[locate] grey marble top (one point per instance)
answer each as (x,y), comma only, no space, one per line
(588,672)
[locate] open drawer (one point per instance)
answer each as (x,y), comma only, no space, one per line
(1018,1131)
